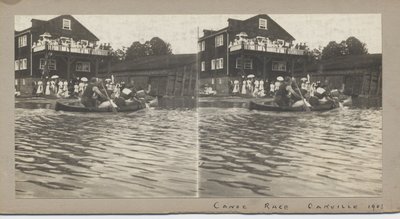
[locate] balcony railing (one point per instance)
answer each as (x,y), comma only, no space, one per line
(64,48)
(261,48)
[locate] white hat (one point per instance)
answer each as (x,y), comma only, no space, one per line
(84,79)
(280,78)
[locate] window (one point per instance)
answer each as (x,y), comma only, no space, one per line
(279,66)
(262,24)
(220,63)
(219,40)
(24,63)
(16,65)
(248,63)
(202,46)
(217,63)
(22,41)
(83,66)
(203,66)
(51,64)
(66,24)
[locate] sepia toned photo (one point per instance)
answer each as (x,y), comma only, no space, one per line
(292,112)
(118,109)
(101,119)
(277,116)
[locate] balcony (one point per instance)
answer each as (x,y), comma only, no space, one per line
(265,48)
(65,48)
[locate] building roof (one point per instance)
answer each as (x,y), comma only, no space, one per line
(154,62)
(212,32)
(52,31)
(345,63)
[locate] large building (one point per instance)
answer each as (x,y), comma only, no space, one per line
(257,46)
(61,46)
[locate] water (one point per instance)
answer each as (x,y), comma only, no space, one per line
(151,153)
(251,154)
(219,150)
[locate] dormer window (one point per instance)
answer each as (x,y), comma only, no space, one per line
(262,24)
(66,25)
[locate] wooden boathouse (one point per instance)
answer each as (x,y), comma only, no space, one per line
(168,75)
(60,46)
(357,75)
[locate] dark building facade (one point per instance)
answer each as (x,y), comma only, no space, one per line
(61,46)
(356,75)
(257,46)
(168,75)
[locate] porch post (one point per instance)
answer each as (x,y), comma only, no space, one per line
(97,67)
(68,68)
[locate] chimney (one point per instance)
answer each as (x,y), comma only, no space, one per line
(208,32)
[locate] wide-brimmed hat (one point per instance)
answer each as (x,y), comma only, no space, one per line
(303,79)
(280,78)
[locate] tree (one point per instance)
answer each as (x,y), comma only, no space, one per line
(332,50)
(118,55)
(351,46)
(136,50)
(155,47)
(159,47)
(355,46)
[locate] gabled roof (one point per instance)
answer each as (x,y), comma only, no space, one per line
(242,21)
(44,23)
(154,62)
(279,26)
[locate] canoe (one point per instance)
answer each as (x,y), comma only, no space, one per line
(264,107)
(77,108)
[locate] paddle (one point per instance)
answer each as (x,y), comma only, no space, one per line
(301,95)
(111,103)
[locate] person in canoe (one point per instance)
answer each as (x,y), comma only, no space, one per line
(285,95)
(92,94)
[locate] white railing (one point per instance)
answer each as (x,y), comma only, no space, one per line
(64,48)
(263,48)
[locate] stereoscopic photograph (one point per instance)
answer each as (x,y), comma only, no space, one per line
(126,106)
(196,112)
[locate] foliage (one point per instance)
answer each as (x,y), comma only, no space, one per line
(351,46)
(156,46)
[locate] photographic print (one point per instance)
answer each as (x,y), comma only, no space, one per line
(199,107)
(291,106)
(105,107)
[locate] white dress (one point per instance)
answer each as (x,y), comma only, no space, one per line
(47,90)
(261,86)
(65,89)
(53,87)
(60,88)
(244,87)
(235,87)
(39,89)
(256,90)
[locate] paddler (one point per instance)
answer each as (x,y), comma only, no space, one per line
(285,92)
(92,93)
